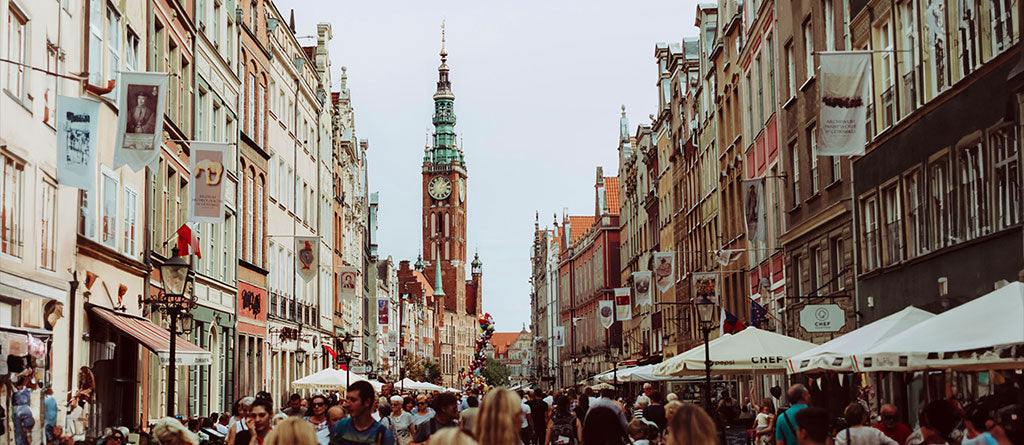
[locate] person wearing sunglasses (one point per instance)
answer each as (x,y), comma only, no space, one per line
(318,417)
(422,412)
(400,422)
(890,424)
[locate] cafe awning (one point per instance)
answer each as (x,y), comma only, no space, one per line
(750,351)
(154,338)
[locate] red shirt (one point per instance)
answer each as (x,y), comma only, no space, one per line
(899,432)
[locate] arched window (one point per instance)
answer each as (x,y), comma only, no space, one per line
(447,253)
(258,219)
(249,213)
(433,224)
(447,224)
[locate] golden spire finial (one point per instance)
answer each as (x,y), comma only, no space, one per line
(443,51)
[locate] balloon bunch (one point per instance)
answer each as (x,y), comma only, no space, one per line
(474,379)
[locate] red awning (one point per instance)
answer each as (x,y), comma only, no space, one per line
(154,338)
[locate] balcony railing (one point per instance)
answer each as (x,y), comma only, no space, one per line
(273,302)
(893,242)
(910,86)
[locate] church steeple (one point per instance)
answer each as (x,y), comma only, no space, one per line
(445,149)
(438,283)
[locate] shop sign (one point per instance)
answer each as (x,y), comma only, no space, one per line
(252,302)
(822,318)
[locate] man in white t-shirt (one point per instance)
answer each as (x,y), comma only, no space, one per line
(526,429)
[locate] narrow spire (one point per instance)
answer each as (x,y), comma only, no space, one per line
(444,52)
(438,292)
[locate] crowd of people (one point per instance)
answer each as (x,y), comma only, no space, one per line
(574,416)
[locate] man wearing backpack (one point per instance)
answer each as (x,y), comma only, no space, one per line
(786,424)
(563,426)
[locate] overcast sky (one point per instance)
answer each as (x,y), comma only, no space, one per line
(538,85)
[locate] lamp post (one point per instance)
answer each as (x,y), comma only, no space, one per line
(705,315)
(346,354)
(172,301)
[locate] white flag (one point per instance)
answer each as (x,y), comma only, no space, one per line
(664,270)
(725,257)
(140,121)
(753,208)
(642,285)
(307,256)
(623,305)
(77,136)
(843,110)
(606,312)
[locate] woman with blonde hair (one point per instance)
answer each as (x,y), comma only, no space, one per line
(499,418)
(170,431)
(691,426)
(292,430)
(452,436)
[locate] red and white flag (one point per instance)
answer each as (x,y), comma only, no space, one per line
(188,240)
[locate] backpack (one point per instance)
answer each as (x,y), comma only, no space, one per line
(563,430)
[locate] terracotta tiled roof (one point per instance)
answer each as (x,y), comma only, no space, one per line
(309,51)
(501,342)
(423,282)
(580,225)
(611,194)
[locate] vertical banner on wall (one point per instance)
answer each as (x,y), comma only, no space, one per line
(560,336)
(705,285)
(642,285)
(664,270)
(307,256)
(382,311)
(843,111)
(77,135)
(623,305)
(349,279)
(606,312)
(753,208)
(207,166)
(140,119)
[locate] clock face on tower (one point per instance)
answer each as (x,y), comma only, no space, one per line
(439,187)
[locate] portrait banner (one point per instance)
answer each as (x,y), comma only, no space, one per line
(623,305)
(207,166)
(753,208)
(705,285)
(606,312)
(307,256)
(664,270)
(77,136)
(349,279)
(842,114)
(560,336)
(382,311)
(140,119)
(642,286)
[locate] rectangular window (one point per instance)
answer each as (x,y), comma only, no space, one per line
(96,42)
(871,235)
(216,23)
(200,114)
(228,263)
(893,233)
(1003,35)
(750,111)
(808,30)
(830,30)
(258,130)
(760,92)
(86,224)
(888,71)
(973,188)
(50,97)
(967,34)
(1005,151)
(258,225)
(170,191)
(113,41)
(247,225)
(769,46)
(917,243)
(836,168)
(794,156)
(836,262)
(108,209)
(131,198)
(797,282)
(250,87)
(812,136)
(939,203)
(47,232)
(17,44)
(815,271)
(790,70)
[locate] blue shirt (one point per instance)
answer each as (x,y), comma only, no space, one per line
(783,429)
(345,433)
(50,410)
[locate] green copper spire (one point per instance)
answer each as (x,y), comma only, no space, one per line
(438,292)
(445,150)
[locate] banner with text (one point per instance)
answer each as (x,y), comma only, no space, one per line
(207,165)
(753,208)
(307,256)
(140,121)
(664,270)
(77,136)
(705,285)
(843,110)
(642,285)
(606,312)
(623,305)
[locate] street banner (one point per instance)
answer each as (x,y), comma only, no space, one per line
(207,166)
(642,285)
(623,307)
(705,285)
(725,257)
(77,136)
(664,270)
(606,312)
(307,256)
(843,110)
(140,120)
(382,311)
(560,336)
(349,277)
(753,208)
